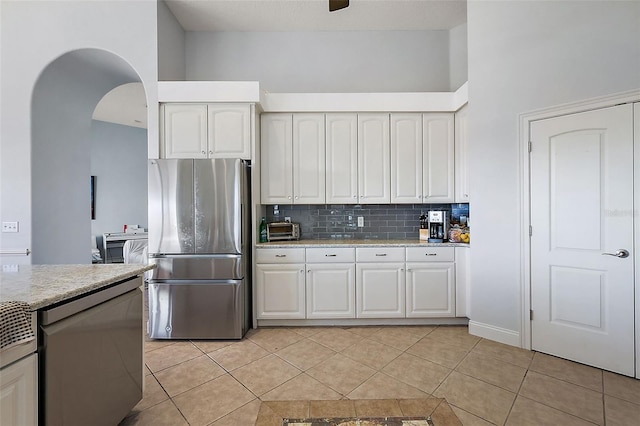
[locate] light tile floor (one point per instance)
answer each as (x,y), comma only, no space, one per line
(484,382)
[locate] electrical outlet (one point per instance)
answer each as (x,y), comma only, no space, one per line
(9,268)
(9,226)
(287,219)
(360,221)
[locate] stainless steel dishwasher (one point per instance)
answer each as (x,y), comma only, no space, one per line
(91,365)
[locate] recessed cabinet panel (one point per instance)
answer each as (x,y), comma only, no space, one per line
(406,158)
(342,158)
(308,159)
(331,290)
(229,131)
(276,169)
(185,131)
(280,291)
(374,171)
(430,290)
(380,291)
(438,158)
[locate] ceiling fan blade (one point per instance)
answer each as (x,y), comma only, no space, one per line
(337,5)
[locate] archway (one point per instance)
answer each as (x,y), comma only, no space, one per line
(63,101)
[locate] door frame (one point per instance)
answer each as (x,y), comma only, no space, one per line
(525,120)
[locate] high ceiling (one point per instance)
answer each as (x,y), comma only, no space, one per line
(314,15)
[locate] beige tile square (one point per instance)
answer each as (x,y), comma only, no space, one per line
(455,334)
(477,397)
(152,345)
(622,387)
(301,387)
(382,386)
(377,408)
(418,407)
(265,374)
(564,396)
(153,394)
(274,339)
(289,409)
(568,371)
(305,354)
(336,338)
(212,400)
(323,409)
(170,355)
(307,331)
(444,353)
(526,412)
(188,375)
(491,370)
(469,419)
(163,414)
(397,337)
(364,331)
(340,373)
(372,353)
(267,417)
(245,415)
(238,354)
(417,372)
(207,346)
(444,415)
(517,356)
(619,412)
(419,330)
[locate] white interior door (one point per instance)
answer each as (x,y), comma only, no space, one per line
(582,294)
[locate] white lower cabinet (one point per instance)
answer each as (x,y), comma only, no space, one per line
(19,392)
(280,291)
(331,290)
(380,290)
(430,290)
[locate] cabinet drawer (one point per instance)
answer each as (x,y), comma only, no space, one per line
(380,254)
(430,254)
(287,255)
(331,255)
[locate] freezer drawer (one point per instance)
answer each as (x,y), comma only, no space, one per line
(198,267)
(198,309)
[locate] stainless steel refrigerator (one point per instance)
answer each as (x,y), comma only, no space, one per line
(199,224)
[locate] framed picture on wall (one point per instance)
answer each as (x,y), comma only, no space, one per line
(93,197)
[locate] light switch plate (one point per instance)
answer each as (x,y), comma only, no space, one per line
(360,221)
(10,268)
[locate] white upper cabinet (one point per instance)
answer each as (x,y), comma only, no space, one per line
(184,131)
(438,158)
(406,158)
(373,159)
(276,162)
(308,159)
(341,158)
(292,159)
(462,157)
(229,131)
(206,131)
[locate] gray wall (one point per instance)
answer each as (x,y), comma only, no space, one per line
(353,61)
(119,162)
(171,52)
(458,69)
(523,56)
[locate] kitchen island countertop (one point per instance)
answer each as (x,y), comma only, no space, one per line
(337,242)
(44,285)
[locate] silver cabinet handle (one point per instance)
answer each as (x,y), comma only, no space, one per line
(330,255)
(204,152)
(622,253)
(381,254)
(281,255)
(431,254)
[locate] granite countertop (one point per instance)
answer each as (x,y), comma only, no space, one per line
(43,285)
(359,243)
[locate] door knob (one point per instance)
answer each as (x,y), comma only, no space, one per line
(622,253)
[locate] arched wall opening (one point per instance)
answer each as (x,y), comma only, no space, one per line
(64,99)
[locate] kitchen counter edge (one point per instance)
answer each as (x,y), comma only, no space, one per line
(355,243)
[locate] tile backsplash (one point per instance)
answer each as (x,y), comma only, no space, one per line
(381,221)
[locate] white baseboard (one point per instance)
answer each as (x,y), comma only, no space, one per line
(502,335)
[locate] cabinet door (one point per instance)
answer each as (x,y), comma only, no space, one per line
(430,290)
(331,290)
(276,168)
(308,159)
(19,392)
(380,291)
(229,131)
(342,158)
(185,131)
(374,176)
(406,158)
(438,162)
(462,157)
(280,291)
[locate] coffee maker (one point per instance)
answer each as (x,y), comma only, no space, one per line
(438,224)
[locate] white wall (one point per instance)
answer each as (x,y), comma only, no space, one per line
(354,61)
(523,56)
(32,35)
(121,192)
(171,45)
(458,68)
